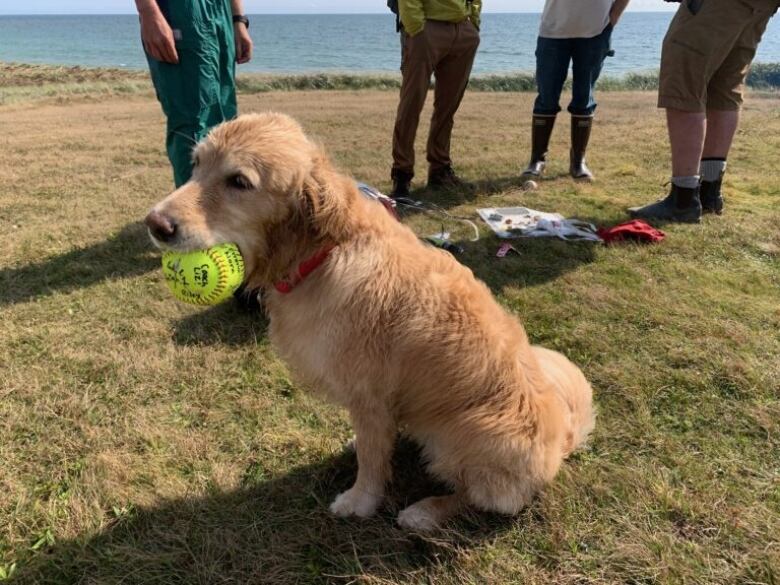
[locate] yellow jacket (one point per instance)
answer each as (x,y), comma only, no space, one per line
(414,13)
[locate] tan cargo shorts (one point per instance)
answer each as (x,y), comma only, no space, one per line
(706,56)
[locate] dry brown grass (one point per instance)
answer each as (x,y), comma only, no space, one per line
(143,441)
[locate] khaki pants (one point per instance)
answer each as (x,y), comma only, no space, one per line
(447,50)
(706,56)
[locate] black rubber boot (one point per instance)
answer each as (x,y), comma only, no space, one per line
(580,135)
(402,181)
(711,198)
(681,205)
(541,130)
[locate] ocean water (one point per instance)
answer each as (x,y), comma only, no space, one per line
(334,43)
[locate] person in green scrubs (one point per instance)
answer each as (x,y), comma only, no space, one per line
(192,47)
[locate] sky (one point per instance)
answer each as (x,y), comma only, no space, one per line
(277,6)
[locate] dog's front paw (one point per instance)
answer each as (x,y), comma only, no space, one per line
(418,517)
(355,502)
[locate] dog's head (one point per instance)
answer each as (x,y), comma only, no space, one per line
(260,183)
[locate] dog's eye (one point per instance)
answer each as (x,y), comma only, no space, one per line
(239,181)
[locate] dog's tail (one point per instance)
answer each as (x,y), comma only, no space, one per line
(574,391)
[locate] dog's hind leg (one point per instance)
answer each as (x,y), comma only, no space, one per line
(375,433)
(430,513)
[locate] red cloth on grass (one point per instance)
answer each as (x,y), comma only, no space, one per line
(635,230)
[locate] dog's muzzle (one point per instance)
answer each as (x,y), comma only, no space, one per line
(161,227)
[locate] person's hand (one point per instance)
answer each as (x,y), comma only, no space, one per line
(157,37)
(244,43)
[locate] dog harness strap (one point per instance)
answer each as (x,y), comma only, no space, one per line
(304,269)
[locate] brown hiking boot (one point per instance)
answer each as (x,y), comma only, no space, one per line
(445,178)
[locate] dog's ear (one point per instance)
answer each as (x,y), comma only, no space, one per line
(326,198)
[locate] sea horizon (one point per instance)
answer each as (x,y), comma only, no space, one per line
(352,43)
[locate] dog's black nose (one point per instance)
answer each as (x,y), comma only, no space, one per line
(161,227)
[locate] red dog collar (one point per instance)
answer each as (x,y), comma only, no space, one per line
(304,269)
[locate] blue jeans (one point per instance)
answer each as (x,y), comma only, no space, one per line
(552,66)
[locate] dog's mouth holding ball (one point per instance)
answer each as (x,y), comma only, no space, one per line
(192,251)
(171,235)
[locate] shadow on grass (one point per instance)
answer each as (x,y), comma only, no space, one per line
(539,260)
(448,198)
(271,530)
(231,323)
(128,253)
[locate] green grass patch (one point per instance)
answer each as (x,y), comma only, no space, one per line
(21,83)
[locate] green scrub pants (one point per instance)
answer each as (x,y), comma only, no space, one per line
(200,91)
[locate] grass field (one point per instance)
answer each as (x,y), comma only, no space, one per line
(143,441)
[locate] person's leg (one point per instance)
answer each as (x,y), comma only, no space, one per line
(180,140)
(552,67)
(189,92)
(458,44)
(416,72)
(686,138)
(181,110)
(721,128)
(724,100)
(588,57)
(228,104)
(694,48)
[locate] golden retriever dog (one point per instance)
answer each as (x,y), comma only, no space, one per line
(396,331)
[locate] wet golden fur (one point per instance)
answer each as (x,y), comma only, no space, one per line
(397,332)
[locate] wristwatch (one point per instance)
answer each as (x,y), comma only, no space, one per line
(241,18)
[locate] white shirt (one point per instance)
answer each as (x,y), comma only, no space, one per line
(569,19)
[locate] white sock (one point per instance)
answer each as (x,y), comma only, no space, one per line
(712,169)
(686,182)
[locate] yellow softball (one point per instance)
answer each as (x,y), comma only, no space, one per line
(204,277)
